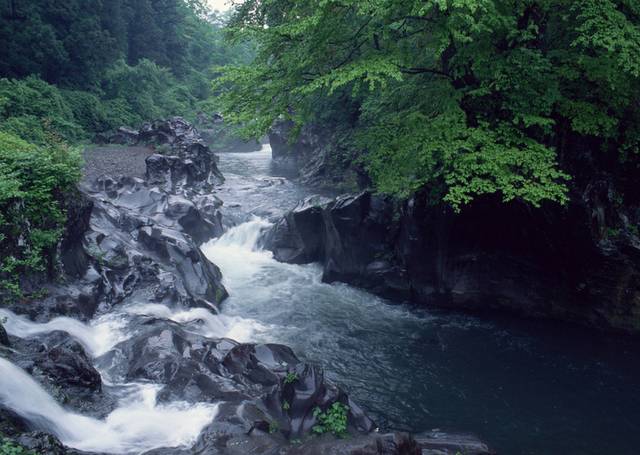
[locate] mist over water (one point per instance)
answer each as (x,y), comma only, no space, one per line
(526,387)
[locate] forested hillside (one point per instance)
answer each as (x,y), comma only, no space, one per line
(71,69)
(86,66)
(465,98)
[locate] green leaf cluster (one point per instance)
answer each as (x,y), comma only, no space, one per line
(461,97)
(34,181)
(333,420)
(9,448)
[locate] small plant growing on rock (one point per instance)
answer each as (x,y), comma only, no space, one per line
(334,420)
(9,448)
(273,427)
(286,406)
(291,377)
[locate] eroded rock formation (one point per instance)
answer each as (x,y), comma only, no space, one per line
(135,241)
(580,263)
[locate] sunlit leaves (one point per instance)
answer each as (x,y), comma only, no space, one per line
(603,27)
(463,97)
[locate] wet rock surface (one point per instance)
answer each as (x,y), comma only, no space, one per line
(128,237)
(135,240)
(315,156)
(4,338)
(562,263)
(264,388)
(61,360)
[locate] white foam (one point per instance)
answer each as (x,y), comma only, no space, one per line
(97,338)
(138,425)
(210,325)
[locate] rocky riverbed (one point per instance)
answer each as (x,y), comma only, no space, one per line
(127,351)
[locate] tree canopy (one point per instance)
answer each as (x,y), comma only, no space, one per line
(72,42)
(465,97)
(86,66)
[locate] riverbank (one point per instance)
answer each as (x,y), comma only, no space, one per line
(525,386)
(129,354)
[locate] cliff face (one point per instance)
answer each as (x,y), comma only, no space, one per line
(316,156)
(579,263)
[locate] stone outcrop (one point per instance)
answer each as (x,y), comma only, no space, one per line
(265,388)
(138,238)
(316,157)
(4,338)
(580,263)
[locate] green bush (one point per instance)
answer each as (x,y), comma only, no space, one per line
(150,91)
(334,420)
(32,98)
(34,181)
(119,112)
(9,448)
(88,110)
(27,127)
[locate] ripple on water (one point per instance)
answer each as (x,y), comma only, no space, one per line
(527,387)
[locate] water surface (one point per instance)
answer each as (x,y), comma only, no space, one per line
(524,387)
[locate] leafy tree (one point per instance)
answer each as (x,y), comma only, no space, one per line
(464,97)
(33,183)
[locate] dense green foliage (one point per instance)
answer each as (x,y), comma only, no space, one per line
(33,183)
(87,66)
(72,43)
(464,97)
(333,420)
(73,68)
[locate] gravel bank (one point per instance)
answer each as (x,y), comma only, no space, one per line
(114,160)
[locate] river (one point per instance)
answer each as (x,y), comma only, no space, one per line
(526,387)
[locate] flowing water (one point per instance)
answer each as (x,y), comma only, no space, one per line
(525,387)
(139,423)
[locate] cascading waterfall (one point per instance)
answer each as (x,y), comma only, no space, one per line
(243,237)
(206,323)
(97,338)
(139,424)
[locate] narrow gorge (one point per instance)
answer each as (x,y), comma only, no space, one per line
(319,227)
(130,353)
